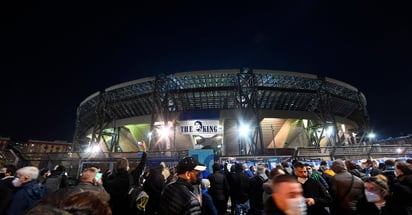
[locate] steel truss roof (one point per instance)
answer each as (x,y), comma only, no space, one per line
(218,89)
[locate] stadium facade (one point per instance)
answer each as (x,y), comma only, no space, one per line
(233,112)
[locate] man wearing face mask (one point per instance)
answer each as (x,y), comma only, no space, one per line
(378,199)
(179,197)
(287,197)
(28,191)
(316,196)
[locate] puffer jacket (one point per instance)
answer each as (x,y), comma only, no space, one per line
(219,189)
(179,198)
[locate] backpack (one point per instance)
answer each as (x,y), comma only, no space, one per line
(52,183)
(137,197)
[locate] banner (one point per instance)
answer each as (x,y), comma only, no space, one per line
(204,156)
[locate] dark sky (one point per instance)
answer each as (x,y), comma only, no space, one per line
(55,56)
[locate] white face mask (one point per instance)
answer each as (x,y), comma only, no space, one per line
(396,173)
(372,197)
(296,206)
(302,180)
(16,182)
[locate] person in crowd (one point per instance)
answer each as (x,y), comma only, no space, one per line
(88,182)
(208,207)
(59,171)
(256,190)
(53,199)
(402,188)
(179,197)
(117,184)
(219,189)
(288,170)
(240,189)
(6,197)
(86,203)
(267,186)
(230,175)
(351,168)
(287,197)
(317,198)
(44,173)
(153,185)
(389,171)
(370,169)
(247,170)
(315,174)
(165,170)
(252,169)
(2,173)
(172,177)
(47,210)
(377,199)
(9,171)
(267,170)
(322,166)
(345,190)
(28,191)
(327,173)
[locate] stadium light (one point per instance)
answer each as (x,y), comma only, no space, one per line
(244,130)
(329,131)
(164,132)
(305,123)
(343,128)
(93,148)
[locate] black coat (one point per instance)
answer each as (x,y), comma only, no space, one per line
(313,189)
(179,198)
(117,185)
(392,207)
(219,186)
(271,208)
(153,186)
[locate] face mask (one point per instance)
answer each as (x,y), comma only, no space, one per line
(396,173)
(296,206)
(302,180)
(372,197)
(310,171)
(16,182)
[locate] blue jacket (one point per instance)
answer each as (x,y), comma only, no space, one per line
(25,197)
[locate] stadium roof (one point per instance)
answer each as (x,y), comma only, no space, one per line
(223,89)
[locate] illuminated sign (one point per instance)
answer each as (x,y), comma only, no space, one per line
(205,128)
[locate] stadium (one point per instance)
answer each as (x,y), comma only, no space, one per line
(234,112)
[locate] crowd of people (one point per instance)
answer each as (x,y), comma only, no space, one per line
(295,188)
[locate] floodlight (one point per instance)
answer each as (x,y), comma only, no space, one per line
(244,130)
(164,132)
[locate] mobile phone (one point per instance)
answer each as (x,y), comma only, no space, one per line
(98,176)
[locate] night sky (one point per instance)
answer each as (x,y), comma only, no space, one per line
(55,56)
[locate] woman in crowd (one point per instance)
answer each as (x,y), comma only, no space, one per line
(377,198)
